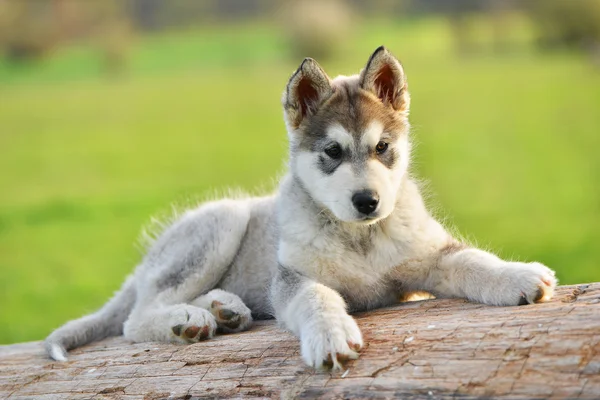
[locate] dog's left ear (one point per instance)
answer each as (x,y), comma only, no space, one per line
(384,77)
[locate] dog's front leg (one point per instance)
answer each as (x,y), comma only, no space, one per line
(317,315)
(459,271)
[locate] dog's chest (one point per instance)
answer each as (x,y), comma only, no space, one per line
(346,261)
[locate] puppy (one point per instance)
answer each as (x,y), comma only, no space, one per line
(346,231)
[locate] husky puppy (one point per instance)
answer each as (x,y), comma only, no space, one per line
(346,231)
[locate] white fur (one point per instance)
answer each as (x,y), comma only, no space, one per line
(337,133)
(57,353)
(333,192)
(372,134)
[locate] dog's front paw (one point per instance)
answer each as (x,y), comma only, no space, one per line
(526,283)
(329,341)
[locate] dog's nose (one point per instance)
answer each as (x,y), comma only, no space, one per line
(365,201)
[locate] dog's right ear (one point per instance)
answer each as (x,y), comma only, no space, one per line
(308,87)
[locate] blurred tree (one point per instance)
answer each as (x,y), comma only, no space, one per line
(27,29)
(146,14)
(31,29)
(112,33)
(497,14)
(476,25)
(316,28)
(574,23)
(381,7)
(161,14)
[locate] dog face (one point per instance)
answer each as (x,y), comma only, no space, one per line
(348,137)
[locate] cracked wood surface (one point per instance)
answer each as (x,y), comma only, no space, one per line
(427,349)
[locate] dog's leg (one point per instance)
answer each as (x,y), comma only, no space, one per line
(317,315)
(186,261)
(229,310)
(485,278)
(460,271)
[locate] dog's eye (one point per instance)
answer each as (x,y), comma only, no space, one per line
(381,147)
(334,151)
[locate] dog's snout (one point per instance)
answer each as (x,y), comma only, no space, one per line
(365,201)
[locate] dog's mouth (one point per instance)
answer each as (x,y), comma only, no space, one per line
(368,219)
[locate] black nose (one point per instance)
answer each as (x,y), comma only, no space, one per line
(365,201)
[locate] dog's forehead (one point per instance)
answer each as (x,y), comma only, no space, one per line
(356,112)
(369,136)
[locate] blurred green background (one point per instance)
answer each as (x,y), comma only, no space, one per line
(110,112)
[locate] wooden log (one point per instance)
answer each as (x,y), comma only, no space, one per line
(429,349)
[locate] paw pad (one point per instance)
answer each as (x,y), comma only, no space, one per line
(539,295)
(177,329)
(354,346)
(192,333)
(226,318)
(226,314)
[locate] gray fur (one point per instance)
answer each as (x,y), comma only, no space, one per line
(389,158)
(328,165)
(286,284)
(304,254)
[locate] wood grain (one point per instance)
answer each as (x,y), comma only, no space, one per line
(430,349)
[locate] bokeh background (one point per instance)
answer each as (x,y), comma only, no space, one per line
(112,111)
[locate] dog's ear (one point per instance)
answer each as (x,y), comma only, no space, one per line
(308,87)
(384,77)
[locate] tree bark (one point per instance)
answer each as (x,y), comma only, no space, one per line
(428,349)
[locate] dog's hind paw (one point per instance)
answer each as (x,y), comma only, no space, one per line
(193,324)
(229,310)
(231,317)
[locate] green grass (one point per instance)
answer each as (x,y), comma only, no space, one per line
(508,145)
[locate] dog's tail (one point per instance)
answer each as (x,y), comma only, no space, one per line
(108,321)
